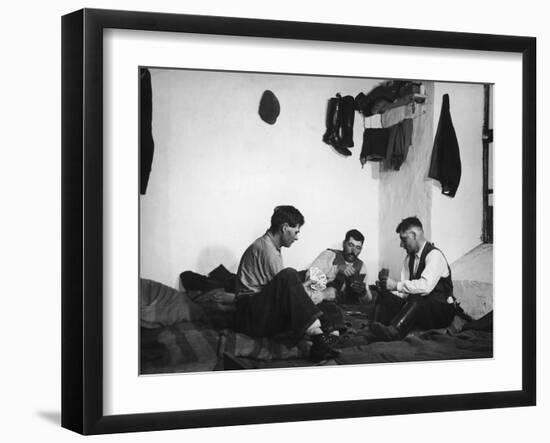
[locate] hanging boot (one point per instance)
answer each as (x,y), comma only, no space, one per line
(348,117)
(331,136)
(333,122)
(400,325)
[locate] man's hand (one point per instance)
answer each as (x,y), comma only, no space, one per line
(329,294)
(391,284)
(387,283)
(316,297)
(359,287)
(346,269)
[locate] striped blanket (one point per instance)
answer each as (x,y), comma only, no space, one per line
(209,343)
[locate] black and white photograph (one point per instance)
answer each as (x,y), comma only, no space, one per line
(274,221)
(290,221)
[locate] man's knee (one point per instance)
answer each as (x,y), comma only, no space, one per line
(416,298)
(289,274)
(388,298)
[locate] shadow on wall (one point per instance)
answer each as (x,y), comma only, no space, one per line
(211,257)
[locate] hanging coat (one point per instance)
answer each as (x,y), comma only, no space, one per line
(146,145)
(445,164)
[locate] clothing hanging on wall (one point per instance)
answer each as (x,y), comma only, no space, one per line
(375,145)
(445,163)
(399,141)
(390,145)
(399,113)
(146,145)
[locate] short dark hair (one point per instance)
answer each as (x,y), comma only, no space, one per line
(285,214)
(354,233)
(408,223)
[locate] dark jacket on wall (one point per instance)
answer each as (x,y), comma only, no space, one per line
(445,164)
(146,145)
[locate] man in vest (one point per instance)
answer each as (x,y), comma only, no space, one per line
(423,297)
(346,273)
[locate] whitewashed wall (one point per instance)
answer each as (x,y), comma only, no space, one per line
(407,192)
(219,170)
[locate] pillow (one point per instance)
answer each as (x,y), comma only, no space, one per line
(161,305)
(475,297)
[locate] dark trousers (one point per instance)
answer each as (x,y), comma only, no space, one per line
(282,306)
(432,313)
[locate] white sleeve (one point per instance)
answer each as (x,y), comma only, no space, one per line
(404,272)
(324,262)
(436,267)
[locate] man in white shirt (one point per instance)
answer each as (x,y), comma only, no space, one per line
(423,297)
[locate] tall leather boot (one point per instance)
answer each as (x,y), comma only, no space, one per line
(364,149)
(333,122)
(400,325)
(378,313)
(348,117)
(331,136)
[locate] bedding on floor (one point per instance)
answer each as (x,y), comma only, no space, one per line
(192,330)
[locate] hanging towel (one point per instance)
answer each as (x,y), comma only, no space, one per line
(375,145)
(399,113)
(146,145)
(445,164)
(393,116)
(399,141)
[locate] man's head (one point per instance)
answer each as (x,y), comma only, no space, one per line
(286,222)
(411,234)
(352,245)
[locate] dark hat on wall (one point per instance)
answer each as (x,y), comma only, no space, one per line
(269,107)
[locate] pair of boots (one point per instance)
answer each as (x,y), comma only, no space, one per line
(401,324)
(339,123)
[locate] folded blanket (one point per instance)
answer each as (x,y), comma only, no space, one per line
(161,305)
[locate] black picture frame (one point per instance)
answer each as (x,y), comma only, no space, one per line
(82,218)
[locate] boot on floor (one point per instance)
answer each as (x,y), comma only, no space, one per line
(400,326)
(321,349)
